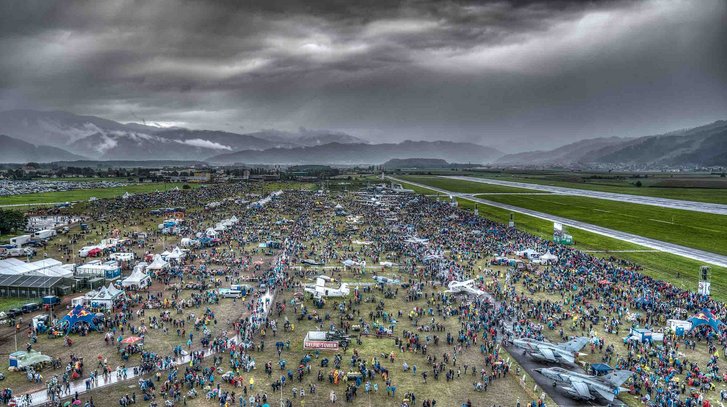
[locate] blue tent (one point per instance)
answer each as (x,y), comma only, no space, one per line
(706,317)
(79,314)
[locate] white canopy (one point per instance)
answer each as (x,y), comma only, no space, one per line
(548,257)
(138,277)
(158,263)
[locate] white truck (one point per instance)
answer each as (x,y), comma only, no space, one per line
(20,240)
(44,234)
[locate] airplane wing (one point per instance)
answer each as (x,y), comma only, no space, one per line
(618,377)
(606,395)
(546,353)
(582,390)
(574,345)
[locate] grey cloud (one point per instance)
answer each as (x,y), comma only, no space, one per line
(510,74)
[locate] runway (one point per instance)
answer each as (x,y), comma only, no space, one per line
(694,254)
(706,207)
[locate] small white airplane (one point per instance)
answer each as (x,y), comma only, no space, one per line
(386,280)
(430,257)
(353,263)
(319,289)
(386,264)
(417,240)
(353,219)
(464,287)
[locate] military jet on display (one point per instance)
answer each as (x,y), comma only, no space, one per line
(353,263)
(563,353)
(386,280)
(464,287)
(417,240)
(319,289)
(430,257)
(581,386)
(311,262)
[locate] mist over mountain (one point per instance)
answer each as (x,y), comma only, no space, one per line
(103,139)
(338,153)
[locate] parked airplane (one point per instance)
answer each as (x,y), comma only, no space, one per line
(311,262)
(417,240)
(581,386)
(385,280)
(552,352)
(430,257)
(386,264)
(353,263)
(319,289)
(463,287)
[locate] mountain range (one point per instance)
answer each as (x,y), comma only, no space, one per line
(45,136)
(703,146)
(95,138)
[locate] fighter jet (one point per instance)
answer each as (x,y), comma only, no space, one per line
(581,386)
(319,289)
(464,287)
(430,257)
(385,280)
(311,262)
(417,240)
(563,353)
(353,263)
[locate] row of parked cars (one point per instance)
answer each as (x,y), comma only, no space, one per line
(8,317)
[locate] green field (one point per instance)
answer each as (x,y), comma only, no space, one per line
(466,187)
(703,188)
(698,230)
(85,194)
(677,270)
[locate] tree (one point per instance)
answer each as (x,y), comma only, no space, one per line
(12,221)
(638,184)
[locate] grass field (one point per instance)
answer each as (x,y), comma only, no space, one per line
(85,194)
(675,269)
(463,186)
(691,188)
(698,230)
(692,229)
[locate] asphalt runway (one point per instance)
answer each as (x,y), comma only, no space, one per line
(706,207)
(694,254)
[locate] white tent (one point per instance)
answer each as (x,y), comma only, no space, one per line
(548,257)
(158,263)
(138,277)
(211,232)
(176,254)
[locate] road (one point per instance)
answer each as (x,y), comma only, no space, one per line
(706,207)
(694,254)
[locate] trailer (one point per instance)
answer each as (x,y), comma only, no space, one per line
(20,240)
(325,340)
(44,234)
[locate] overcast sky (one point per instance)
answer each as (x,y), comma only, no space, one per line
(516,75)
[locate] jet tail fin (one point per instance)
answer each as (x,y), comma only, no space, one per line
(618,377)
(574,345)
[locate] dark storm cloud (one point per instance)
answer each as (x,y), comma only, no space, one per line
(518,74)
